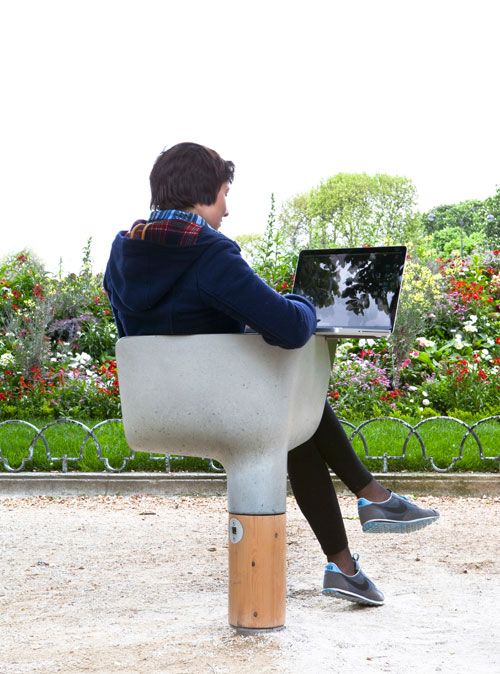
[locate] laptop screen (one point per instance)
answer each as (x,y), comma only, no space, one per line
(352,287)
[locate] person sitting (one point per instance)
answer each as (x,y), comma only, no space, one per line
(177,274)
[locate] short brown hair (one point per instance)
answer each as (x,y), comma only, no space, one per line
(188,174)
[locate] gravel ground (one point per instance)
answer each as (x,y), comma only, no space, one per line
(138,584)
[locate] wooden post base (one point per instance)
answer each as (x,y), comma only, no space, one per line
(257,572)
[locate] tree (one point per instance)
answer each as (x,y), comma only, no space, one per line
(448,215)
(492,207)
(249,244)
(352,209)
(480,225)
(449,241)
(295,222)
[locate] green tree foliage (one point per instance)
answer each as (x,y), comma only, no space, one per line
(449,242)
(249,244)
(352,209)
(449,215)
(475,223)
(492,207)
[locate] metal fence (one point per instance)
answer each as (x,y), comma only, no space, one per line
(69,461)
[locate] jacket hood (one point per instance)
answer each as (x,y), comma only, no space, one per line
(140,274)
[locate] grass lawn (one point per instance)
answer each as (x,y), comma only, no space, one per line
(69,444)
(73,441)
(443,440)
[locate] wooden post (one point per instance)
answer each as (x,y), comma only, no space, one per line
(257,571)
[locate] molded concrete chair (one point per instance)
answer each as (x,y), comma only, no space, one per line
(243,402)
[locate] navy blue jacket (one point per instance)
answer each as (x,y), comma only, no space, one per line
(205,287)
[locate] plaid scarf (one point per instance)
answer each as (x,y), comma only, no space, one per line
(169,228)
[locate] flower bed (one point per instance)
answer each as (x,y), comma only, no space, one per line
(57,341)
(451,368)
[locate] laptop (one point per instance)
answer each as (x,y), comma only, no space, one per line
(355,290)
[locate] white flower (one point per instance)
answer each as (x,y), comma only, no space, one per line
(425,402)
(469,327)
(472,319)
(81,358)
(422,341)
(7,359)
(425,394)
(412,388)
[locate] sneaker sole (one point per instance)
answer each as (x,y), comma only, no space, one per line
(340,594)
(386,527)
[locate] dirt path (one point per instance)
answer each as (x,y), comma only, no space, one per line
(138,584)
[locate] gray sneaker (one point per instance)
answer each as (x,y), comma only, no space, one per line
(358,588)
(397,515)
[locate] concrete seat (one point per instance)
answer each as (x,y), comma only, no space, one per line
(243,402)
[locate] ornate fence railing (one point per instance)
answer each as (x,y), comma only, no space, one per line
(68,460)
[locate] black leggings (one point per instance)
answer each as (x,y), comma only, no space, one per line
(312,485)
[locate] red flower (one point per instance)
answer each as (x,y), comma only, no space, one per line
(498,340)
(38,291)
(496,252)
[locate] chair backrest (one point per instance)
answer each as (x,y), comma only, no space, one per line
(233,398)
(208,395)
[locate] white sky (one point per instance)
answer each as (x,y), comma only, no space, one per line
(292,92)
